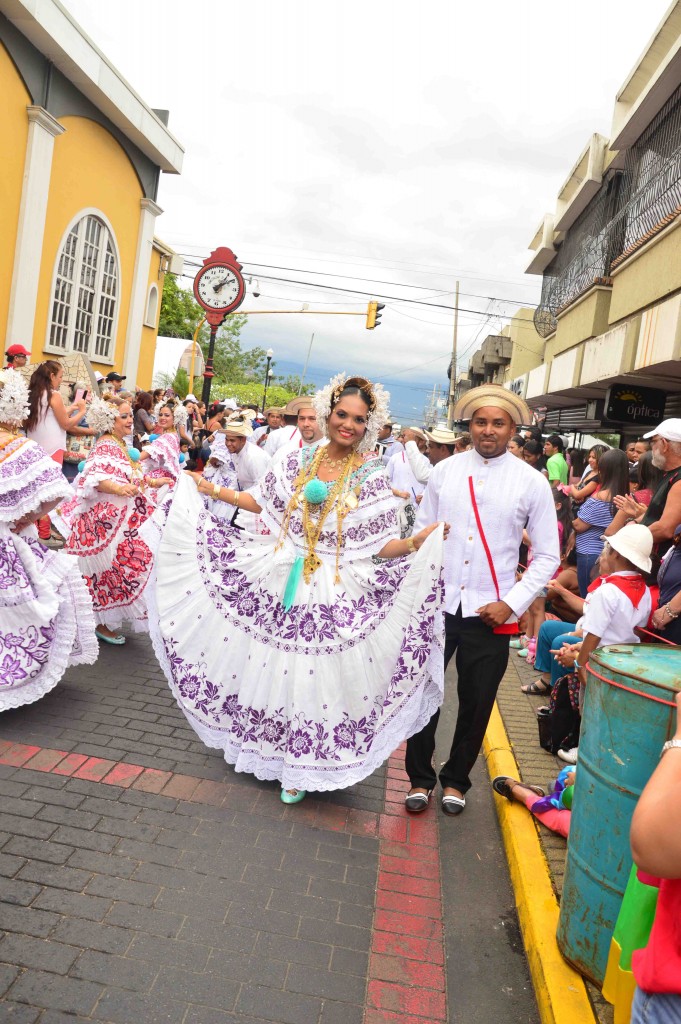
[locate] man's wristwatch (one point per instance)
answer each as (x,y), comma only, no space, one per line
(669,745)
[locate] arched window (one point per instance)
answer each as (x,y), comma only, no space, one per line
(86,286)
(152,307)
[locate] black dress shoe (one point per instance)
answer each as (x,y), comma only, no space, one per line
(417,802)
(453,804)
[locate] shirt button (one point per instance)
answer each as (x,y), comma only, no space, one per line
(462,587)
(465,561)
(470,538)
(485,461)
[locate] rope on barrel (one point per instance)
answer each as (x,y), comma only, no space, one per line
(629,689)
(640,629)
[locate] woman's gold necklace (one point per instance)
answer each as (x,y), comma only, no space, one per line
(333,463)
(315,514)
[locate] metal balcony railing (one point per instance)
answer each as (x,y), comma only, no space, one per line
(631,206)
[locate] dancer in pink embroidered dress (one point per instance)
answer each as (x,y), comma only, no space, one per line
(46,620)
(112,505)
(161,457)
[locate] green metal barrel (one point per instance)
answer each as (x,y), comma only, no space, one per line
(628,714)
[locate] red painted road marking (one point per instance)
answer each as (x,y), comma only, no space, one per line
(69,765)
(17,754)
(406,983)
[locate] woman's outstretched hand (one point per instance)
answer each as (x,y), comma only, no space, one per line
(420,537)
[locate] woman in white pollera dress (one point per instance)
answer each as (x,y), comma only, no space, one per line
(46,619)
(307,654)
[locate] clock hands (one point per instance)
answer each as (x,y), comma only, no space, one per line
(220,284)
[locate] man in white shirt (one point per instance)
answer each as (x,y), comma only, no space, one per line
(441,444)
(489,497)
(289,433)
(251,464)
(387,444)
(404,484)
(308,431)
(274,418)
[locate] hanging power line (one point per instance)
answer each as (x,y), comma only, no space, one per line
(383,295)
(352,257)
(353,277)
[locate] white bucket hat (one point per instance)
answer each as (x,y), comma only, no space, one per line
(635,543)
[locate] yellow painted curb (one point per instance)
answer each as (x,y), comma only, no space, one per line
(560,991)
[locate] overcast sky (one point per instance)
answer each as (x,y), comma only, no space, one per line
(379,140)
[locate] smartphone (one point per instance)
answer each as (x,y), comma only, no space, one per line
(80,392)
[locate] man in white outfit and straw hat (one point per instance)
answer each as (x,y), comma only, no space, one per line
(489,498)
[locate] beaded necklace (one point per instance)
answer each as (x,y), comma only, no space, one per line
(317,498)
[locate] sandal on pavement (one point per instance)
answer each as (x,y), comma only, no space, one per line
(417,802)
(453,804)
(293,796)
(118,639)
(534,689)
(503,785)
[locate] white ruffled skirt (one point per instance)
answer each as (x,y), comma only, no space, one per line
(46,619)
(316,697)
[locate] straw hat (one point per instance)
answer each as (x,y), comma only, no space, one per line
(440,435)
(635,543)
(496,395)
(237,426)
(296,404)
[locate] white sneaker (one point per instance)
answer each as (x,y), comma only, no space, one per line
(569,756)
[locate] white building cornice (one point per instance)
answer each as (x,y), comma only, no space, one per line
(52,30)
(41,117)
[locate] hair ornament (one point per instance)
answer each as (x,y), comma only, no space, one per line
(379,400)
(101,415)
(14,406)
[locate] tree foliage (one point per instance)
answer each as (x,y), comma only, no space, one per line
(238,374)
(180,312)
(292,383)
(230,361)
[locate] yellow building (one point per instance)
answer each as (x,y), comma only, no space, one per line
(80,268)
(610,257)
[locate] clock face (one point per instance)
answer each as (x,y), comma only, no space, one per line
(218,287)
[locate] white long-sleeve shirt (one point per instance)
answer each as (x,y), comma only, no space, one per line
(278,438)
(402,478)
(251,463)
(420,464)
(509,493)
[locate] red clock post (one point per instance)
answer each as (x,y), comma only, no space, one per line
(220,289)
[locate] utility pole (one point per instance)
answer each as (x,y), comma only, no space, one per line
(307,360)
(452,376)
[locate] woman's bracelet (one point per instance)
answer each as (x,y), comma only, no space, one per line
(411,547)
(670,613)
(216,492)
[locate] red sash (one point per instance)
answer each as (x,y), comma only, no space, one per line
(506,627)
(633,586)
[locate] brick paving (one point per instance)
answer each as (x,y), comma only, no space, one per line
(143,881)
(538,768)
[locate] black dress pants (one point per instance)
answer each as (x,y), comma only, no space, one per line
(481,660)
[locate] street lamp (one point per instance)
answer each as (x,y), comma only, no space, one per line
(268,374)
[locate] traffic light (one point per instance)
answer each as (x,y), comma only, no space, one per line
(374,315)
